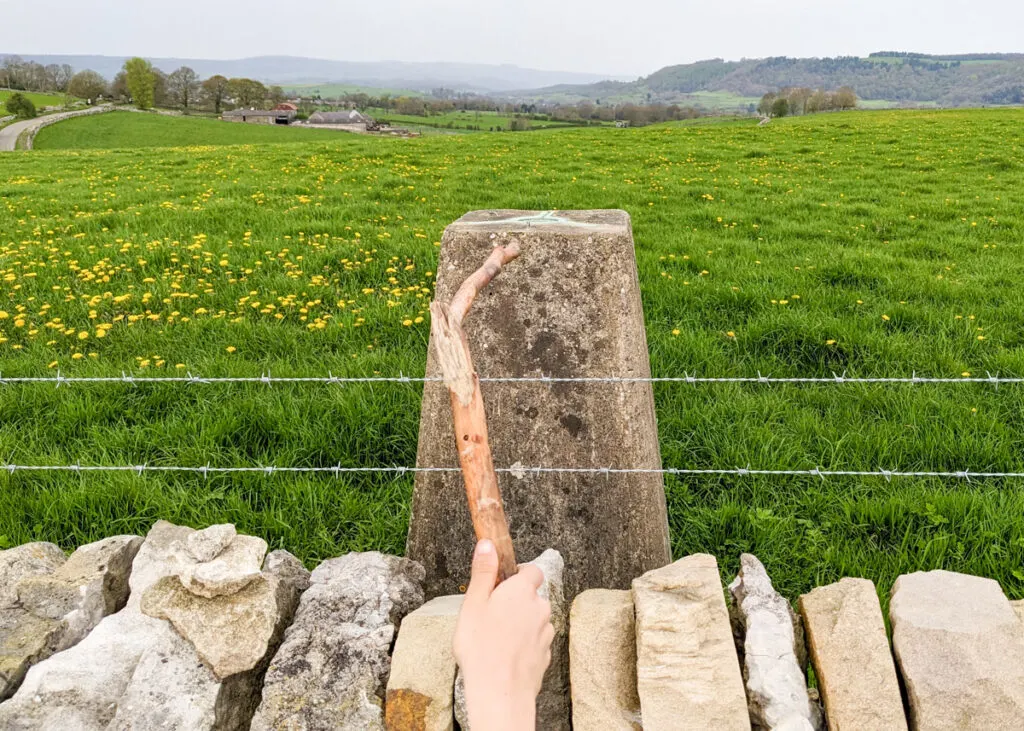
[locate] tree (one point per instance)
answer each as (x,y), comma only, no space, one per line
(183,86)
(846,98)
(119,87)
(87,85)
(64,74)
(780,108)
(141,81)
(20,106)
(215,89)
(161,97)
(765,106)
(276,95)
(247,93)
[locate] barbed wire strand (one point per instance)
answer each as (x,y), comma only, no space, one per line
(517,471)
(266,379)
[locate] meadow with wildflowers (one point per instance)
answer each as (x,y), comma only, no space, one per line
(876,244)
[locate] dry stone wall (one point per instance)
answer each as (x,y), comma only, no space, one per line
(203,630)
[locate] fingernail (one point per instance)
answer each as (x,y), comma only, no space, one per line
(484,547)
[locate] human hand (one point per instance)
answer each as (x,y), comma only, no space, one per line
(503,644)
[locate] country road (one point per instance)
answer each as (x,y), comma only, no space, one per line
(9,135)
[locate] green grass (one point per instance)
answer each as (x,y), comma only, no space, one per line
(40,100)
(467,120)
(875,243)
(130,130)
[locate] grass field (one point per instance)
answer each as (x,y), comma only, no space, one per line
(40,100)
(876,243)
(127,130)
(467,120)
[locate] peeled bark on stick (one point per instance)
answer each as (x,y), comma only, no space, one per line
(482,492)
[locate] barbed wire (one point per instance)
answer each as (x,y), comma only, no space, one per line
(266,379)
(516,470)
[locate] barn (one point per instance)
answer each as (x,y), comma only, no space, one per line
(350,116)
(260,116)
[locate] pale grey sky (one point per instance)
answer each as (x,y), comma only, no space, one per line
(630,37)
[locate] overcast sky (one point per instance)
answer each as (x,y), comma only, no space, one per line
(629,37)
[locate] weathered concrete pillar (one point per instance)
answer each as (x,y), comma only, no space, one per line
(568,307)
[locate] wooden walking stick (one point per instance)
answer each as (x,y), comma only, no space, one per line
(452,348)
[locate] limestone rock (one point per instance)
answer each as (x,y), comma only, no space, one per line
(293,575)
(230,633)
(232,570)
(31,559)
(602,662)
(958,643)
(461,713)
(90,585)
(852,660)
(53,611)
(568,306)
(1018,607)
(25,639)
(688,675)
(205,545)
(553,702)
(330,672)
(135,672)
(773,652)
(421,685)
(160,555)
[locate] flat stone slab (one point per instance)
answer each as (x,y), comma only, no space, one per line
(852,661)
(602,662)
(688,673)
(568,307)
(421,687)
(959,646)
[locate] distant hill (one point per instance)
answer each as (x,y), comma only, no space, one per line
(290,70)
(896,77)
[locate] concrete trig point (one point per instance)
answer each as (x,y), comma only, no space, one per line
(569,307)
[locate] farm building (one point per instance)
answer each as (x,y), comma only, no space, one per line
(286,107)
(350,116)
(260,116)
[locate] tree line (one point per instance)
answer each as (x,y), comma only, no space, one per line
(797,100)
(142,84)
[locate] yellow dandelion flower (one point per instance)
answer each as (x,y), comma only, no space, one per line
(730,334)
(77,356)
(966,374)
(407,323)
(52,365)
(885,317)
(231,348)
(83,335)
(830,342)
(675,333)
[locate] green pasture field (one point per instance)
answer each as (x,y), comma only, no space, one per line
(40,100)
(129,130)
(867,243)
(468,120)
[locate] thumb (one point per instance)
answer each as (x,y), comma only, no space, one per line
(484,573)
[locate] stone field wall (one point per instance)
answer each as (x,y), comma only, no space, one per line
(205,629)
